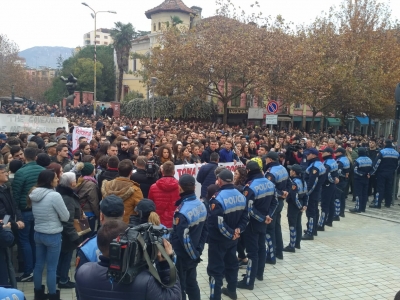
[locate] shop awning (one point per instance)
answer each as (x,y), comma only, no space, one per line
(333,121)
(297,119)
(284,119)
(364,120)
(316,119)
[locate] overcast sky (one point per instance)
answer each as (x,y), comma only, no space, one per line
(63,22)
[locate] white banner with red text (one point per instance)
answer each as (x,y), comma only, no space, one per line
(78,132)
(193,169)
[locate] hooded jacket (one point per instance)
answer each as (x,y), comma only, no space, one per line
(49,210)
(165,193)
(88,193)
(128,190)
(70,238)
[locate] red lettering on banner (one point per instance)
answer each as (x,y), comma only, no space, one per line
(190,171)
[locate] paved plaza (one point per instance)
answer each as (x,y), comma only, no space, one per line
(358,258)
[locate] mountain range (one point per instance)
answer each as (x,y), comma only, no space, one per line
(43,56)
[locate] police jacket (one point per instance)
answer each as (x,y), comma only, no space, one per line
(298,192)
(387,160)
(189,231)
(279,177)
(362,167)
(343,167)
(315,174)
(261,200)
(92,283)
(228,211)
(331,170)
(87,252)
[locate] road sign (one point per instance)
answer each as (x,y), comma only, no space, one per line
(271,119)
(272,107)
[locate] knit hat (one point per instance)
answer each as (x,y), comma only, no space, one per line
(87,169)
(43,160)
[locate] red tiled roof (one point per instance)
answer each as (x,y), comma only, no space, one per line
(169,5)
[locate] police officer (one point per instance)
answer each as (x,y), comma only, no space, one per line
(315,174)
(111,208)
(297,200)
(328,189)
(362,170)
(189,236)
(372,153)
(280,178)
(344,173)
(260,195)
(384,167)
(227,219)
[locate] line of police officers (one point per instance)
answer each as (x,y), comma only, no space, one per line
(255,215)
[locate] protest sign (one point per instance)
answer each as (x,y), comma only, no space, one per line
(193,169)
(28,123)
(78,132)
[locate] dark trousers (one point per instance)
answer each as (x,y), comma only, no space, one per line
(327,203)
(64,264)
(384,187)
(294,219)
(274,234)
(241,247)
(255,245)
(222,261)
(361,193)
(312,212)
(372,186)
(188,279)
(341,193)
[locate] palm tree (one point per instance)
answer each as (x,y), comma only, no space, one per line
(122,34)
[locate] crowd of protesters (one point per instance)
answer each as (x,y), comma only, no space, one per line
(45,184)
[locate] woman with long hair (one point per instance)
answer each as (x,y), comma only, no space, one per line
(195,158)
(49,211)
(253,149)
(70,237)
(183,157)
(56,168)
(164,154)
(239,178)
(246,153)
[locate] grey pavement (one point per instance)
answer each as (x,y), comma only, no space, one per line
(357,258)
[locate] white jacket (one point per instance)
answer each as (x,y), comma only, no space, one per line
(49,210)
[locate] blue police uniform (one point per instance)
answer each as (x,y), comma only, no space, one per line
(87,252)
(296,199)
(328,192)
(340,194)
(279,176)
(228,211)
(314,176)
(384,167)
(188,238)
(260,195)
(362,167)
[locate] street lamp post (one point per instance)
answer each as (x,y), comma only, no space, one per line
(94,16)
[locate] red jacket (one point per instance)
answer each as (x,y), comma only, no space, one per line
(164,193)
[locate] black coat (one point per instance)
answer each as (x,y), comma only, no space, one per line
(145,182)
(6,240)
(92,282)
(9,207)
(70,238)
(106,175)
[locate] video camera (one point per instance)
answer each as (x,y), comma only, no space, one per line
(136,250)
(295,147)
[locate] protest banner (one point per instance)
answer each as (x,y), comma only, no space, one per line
(193,169)
(28,123)
(78,132)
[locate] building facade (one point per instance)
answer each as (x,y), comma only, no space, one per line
(102,36)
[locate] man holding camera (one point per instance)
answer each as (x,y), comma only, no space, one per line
(93,283)
(189,236)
